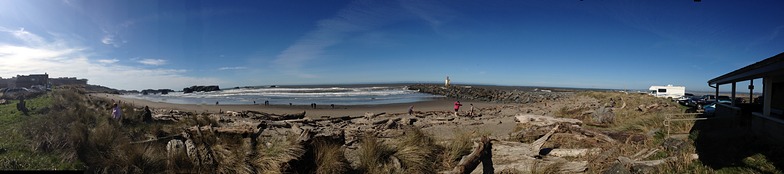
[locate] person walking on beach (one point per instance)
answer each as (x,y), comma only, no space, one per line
(147,116)
(116,112)
(472,110)
(411,110)
(21,106)
(457,107)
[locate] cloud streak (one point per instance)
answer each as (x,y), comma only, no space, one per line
(153,62)
(108,61)
(109,40)
(358,16)
(60,59)
(232,68)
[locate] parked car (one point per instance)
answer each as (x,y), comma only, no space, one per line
(685,98)
(724,99)
(692,102)
(702,101)
(710,109)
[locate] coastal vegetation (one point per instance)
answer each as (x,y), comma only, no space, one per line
(70,129)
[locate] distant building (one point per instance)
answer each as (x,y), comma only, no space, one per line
(28,81)
(446,82)
(32,80)
(4,83)
(67,81)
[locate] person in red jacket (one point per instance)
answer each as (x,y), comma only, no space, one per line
(457,107)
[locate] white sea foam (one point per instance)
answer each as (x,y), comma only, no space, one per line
(333,95)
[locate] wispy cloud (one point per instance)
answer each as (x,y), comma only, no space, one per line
(108,61)
(232,68)
(59,58)
(434,13)
(24,36)
(766,38)
(154,62)
(358,16)
(108,39)
(112,34)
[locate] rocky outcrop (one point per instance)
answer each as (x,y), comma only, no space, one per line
(200,88)
(487,94)
(156,91)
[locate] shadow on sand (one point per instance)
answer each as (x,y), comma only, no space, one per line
(723,143)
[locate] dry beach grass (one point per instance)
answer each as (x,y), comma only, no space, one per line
(70,129)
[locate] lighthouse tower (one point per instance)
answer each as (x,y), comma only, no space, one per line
(446,83)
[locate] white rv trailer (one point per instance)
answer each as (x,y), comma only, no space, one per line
(668,91)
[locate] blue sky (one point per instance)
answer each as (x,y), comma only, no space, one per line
(570,43)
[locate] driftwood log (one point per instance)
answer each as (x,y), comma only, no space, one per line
(481,154)
(573,152)
(541,121)
(274,117)
(536,145)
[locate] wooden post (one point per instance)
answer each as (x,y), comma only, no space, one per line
(751,91)
(733,94)
(767,91)
(717,93)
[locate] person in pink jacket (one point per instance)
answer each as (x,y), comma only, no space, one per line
(457,107)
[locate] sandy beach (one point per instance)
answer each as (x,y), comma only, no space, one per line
(444,104)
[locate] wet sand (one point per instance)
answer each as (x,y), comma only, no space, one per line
(444,104)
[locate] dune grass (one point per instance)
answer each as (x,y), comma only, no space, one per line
(67,130)
(17,151)
(725,150)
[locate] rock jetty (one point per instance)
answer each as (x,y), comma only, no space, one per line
(200,88)
(488,94)
(156,91)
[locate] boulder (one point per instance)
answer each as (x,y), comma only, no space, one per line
(617,168)
(603,116)
(200,89)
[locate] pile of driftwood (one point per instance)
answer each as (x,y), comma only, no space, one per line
(529,155)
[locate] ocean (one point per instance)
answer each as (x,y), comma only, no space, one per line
(304,95)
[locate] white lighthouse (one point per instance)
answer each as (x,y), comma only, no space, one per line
(446,83)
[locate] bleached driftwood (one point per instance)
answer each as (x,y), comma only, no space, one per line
(626,160)
(520,156)
(536,145)
(282,124)
(382,121)
(240,129)
(591,133)
(573,152)
(642,154)
(274,117)
(481,154)
(370,115)
(538,120)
